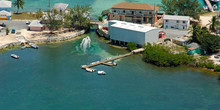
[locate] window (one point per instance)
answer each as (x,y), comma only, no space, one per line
(132,12)
(150,13)
(123,11)
(140,12)
(184,22)
(177,21)
(114,10)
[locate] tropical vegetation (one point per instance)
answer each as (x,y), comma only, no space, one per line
(190,8)
(162,56)
(132,46)
(208,42)
(19,4)
(78,17)
(53,21)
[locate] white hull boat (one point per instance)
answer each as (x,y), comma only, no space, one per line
(101,73)
(14,56)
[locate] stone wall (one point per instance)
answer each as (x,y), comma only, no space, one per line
(46,40)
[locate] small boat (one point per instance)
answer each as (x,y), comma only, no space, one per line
(14,56)
(101,73)
(83,66)
(89,70)
(215,7)
(34,46)
(23,47)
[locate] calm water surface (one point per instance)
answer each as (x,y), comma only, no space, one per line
(50,78)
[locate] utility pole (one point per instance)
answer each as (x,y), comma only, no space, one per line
(49,4)
(153,16)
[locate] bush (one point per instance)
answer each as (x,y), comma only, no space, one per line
(162,56)
(210,65)
(7,31)
(100,18)
(132,46)
(217,69)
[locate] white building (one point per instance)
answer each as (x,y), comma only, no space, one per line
(5,10)
(123,32)
(61,7)
(176,22)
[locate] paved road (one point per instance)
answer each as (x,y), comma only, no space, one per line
(14,24)
(172,33)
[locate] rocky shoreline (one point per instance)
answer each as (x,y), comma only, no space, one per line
(45,40)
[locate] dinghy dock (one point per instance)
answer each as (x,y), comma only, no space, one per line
(105,62)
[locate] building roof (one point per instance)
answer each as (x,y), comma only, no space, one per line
(135,6)
(35,23)
(193,45)
(132,26)
(60,6)
(5,4)
(182,39)
(174,17)
(3,12)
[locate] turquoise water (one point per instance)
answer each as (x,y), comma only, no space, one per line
(97,5)
(50,78)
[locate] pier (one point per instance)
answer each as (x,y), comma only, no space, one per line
(105,62)
(209,5)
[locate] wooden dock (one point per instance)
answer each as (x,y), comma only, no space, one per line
(209,5)
(105,62)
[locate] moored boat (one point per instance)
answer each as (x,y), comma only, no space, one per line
(101,72)
(34,46)
(14,56)
(89,70)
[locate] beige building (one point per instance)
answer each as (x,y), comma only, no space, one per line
(134,12)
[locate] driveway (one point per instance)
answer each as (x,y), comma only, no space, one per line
(15,24)
(172,33)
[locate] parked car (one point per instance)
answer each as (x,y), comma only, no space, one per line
(13,31)
(3,25)
(28,22)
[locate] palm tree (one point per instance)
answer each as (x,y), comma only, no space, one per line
(19,4)
(213,24)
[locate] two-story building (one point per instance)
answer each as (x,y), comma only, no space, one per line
(176,22)
(5,10)
(140,13)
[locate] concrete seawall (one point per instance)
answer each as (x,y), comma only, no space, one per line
(46,40)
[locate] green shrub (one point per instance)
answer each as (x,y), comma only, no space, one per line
(217,68)
(209,65)
(132,46)
(7,31)
(100,18)
(162,56)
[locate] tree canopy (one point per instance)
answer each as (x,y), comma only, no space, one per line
(19,4)
(190,8)
(78,17)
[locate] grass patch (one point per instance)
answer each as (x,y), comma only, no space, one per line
(24,16)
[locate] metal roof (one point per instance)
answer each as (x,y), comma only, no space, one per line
(60,6)
(132,26)
(174,17)
(5,4)
(5,13)
(135,6)
(35,23)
